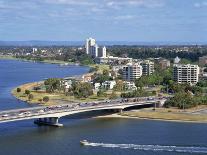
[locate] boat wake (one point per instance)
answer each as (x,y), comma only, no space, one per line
(182,149)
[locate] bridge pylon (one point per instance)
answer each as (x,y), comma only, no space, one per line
(50,121)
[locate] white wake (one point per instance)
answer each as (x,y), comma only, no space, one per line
(183,149)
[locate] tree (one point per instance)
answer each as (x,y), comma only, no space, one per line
(46,99)
(30,97)
(120,86)
(82,89)
(52,84)
(27,92)
(19,90)
(101,93)
(113,95)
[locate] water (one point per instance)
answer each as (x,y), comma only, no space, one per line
(106,136)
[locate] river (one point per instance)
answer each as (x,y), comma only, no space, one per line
(113,136)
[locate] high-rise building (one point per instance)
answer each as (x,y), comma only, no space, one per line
(147,67)
(102,52)
(185,73)
(93,49)
(131,71)
(90,42)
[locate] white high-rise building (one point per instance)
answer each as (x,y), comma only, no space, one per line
(185,73)
(90,42)
(93,49)
(131,71)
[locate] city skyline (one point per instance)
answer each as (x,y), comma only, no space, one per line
(107,20)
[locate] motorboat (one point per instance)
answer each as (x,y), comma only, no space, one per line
(83,142)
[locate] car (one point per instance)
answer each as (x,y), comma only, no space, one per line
(41,111)
(21,114)
(5,115)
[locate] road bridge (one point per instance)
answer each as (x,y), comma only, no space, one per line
(51,114)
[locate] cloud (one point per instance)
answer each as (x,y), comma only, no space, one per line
(124,17)
(118,4)
(201,4)
(70,2)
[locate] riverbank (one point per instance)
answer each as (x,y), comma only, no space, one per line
(162,114)
(59,62)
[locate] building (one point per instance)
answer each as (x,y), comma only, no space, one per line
(93,49)
(130,85)
(102,52)
(147,67)
(176,60)
(186,73)
(97,86)
(112,60)
(202,61)
(164,63)
(131,71)
(90,42)
(108,84)
(87,78)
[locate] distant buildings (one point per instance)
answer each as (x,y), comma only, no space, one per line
(202,61)
(185,73)
(147,67)
(108,84)
(102,52)
(93,49)
(164,63)
(176,60)
(111,60)
(131,71)
(129,85)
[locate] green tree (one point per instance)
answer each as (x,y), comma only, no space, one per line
(30,97)
(27,92)
(46,99)
(53,84)
(19,90)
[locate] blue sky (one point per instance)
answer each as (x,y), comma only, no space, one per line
(106,20)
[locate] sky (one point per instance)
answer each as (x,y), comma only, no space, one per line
(105,20)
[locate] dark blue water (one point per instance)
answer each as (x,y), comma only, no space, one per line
(107,136)
(14,73)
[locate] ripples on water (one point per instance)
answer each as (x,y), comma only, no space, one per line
(182,149)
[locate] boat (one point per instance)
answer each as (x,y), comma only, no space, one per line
(83,142)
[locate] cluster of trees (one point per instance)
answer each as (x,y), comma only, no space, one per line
(100,78)
(138,93)
(145,52)
(185,96)
(75,56)
(81,89)
(53,84)
(162,77)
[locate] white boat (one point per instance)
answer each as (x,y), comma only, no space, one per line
(83,142)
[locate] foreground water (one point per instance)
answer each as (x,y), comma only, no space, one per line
(106,136)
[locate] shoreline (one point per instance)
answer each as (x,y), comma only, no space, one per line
(148,118)
(57,62)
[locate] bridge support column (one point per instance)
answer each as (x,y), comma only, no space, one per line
(51,121)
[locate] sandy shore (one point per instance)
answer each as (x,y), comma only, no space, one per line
(124,116)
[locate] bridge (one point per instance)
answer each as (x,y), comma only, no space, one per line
(51,114)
